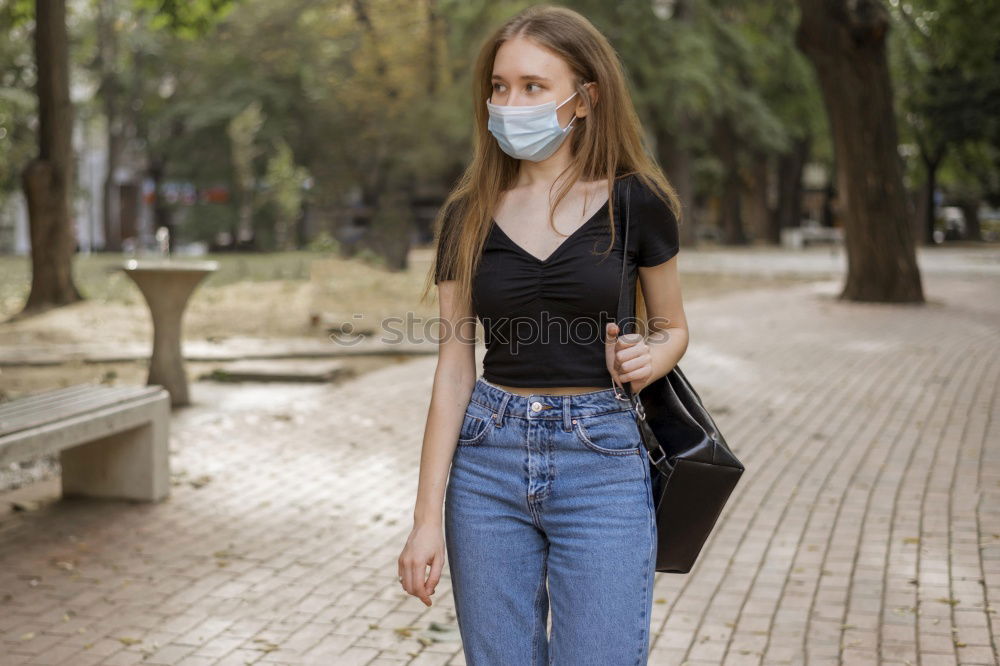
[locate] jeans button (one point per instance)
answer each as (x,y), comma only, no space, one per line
(536,406)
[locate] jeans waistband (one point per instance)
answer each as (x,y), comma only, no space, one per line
(546,406)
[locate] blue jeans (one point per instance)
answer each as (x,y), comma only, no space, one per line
(551,489)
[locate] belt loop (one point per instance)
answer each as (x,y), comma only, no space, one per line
(498,417)
(567,414)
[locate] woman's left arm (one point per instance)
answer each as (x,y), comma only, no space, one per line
(647,359)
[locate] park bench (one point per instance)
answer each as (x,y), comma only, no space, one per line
(112,440)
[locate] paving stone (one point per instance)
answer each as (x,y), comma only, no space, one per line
(865,530)
(286,370)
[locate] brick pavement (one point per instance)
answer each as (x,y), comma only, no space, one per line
(866,529)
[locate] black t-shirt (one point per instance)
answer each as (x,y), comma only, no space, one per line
(544,321)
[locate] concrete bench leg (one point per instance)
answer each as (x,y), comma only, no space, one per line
(132,464)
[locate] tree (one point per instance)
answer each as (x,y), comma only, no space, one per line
(950,98)
(48,177)
(242,131)
(846,43)
(719,87)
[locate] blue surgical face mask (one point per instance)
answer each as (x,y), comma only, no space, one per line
(528,132)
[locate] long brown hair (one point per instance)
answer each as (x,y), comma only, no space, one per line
(606,144)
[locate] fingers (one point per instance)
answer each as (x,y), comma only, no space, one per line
(405,571)
(627,355)
(414,582)
(632,358)
(629,348)
(437,564)
(641,371)
(404,575)
(629,340)
(632,364)
(622,342)
(611,332)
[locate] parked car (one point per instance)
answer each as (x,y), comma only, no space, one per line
(989,223)
(811,233)
(949,224)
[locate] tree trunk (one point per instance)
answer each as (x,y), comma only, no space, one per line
(755,202)
(48,178)
(388,187)
(730,220)
(973,230)
(675,155)
(788,212)
(162,215)
(827,215)
(846,42)
(392,227)
(931,163)
(676,162)
(111,97)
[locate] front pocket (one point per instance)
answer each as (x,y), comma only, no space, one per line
(473,429)
(611,433)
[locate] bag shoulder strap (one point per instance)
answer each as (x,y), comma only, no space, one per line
(623,306)
(625,295)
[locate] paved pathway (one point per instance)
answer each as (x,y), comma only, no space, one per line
(865,530)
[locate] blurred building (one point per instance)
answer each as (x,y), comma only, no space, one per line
(130,219)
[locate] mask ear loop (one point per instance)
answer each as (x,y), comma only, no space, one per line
(571,120)
(562,103)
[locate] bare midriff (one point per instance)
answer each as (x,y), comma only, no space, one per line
(551,390)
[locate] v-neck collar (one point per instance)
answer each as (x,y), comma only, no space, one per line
(559,247)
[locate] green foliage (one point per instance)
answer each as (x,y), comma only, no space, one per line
(324,242)
(692,65)
(202,222)
(17,97)
(371,99)
(284,185)
(242,131)
(17,13)
(186,19)
(371,258)
(946,65)
(17,144)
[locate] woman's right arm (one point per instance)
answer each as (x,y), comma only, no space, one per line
(454,380)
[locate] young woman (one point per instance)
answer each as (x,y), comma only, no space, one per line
(538,464)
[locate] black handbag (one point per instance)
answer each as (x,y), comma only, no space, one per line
(694,472)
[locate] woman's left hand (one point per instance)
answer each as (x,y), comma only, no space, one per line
(627,356)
